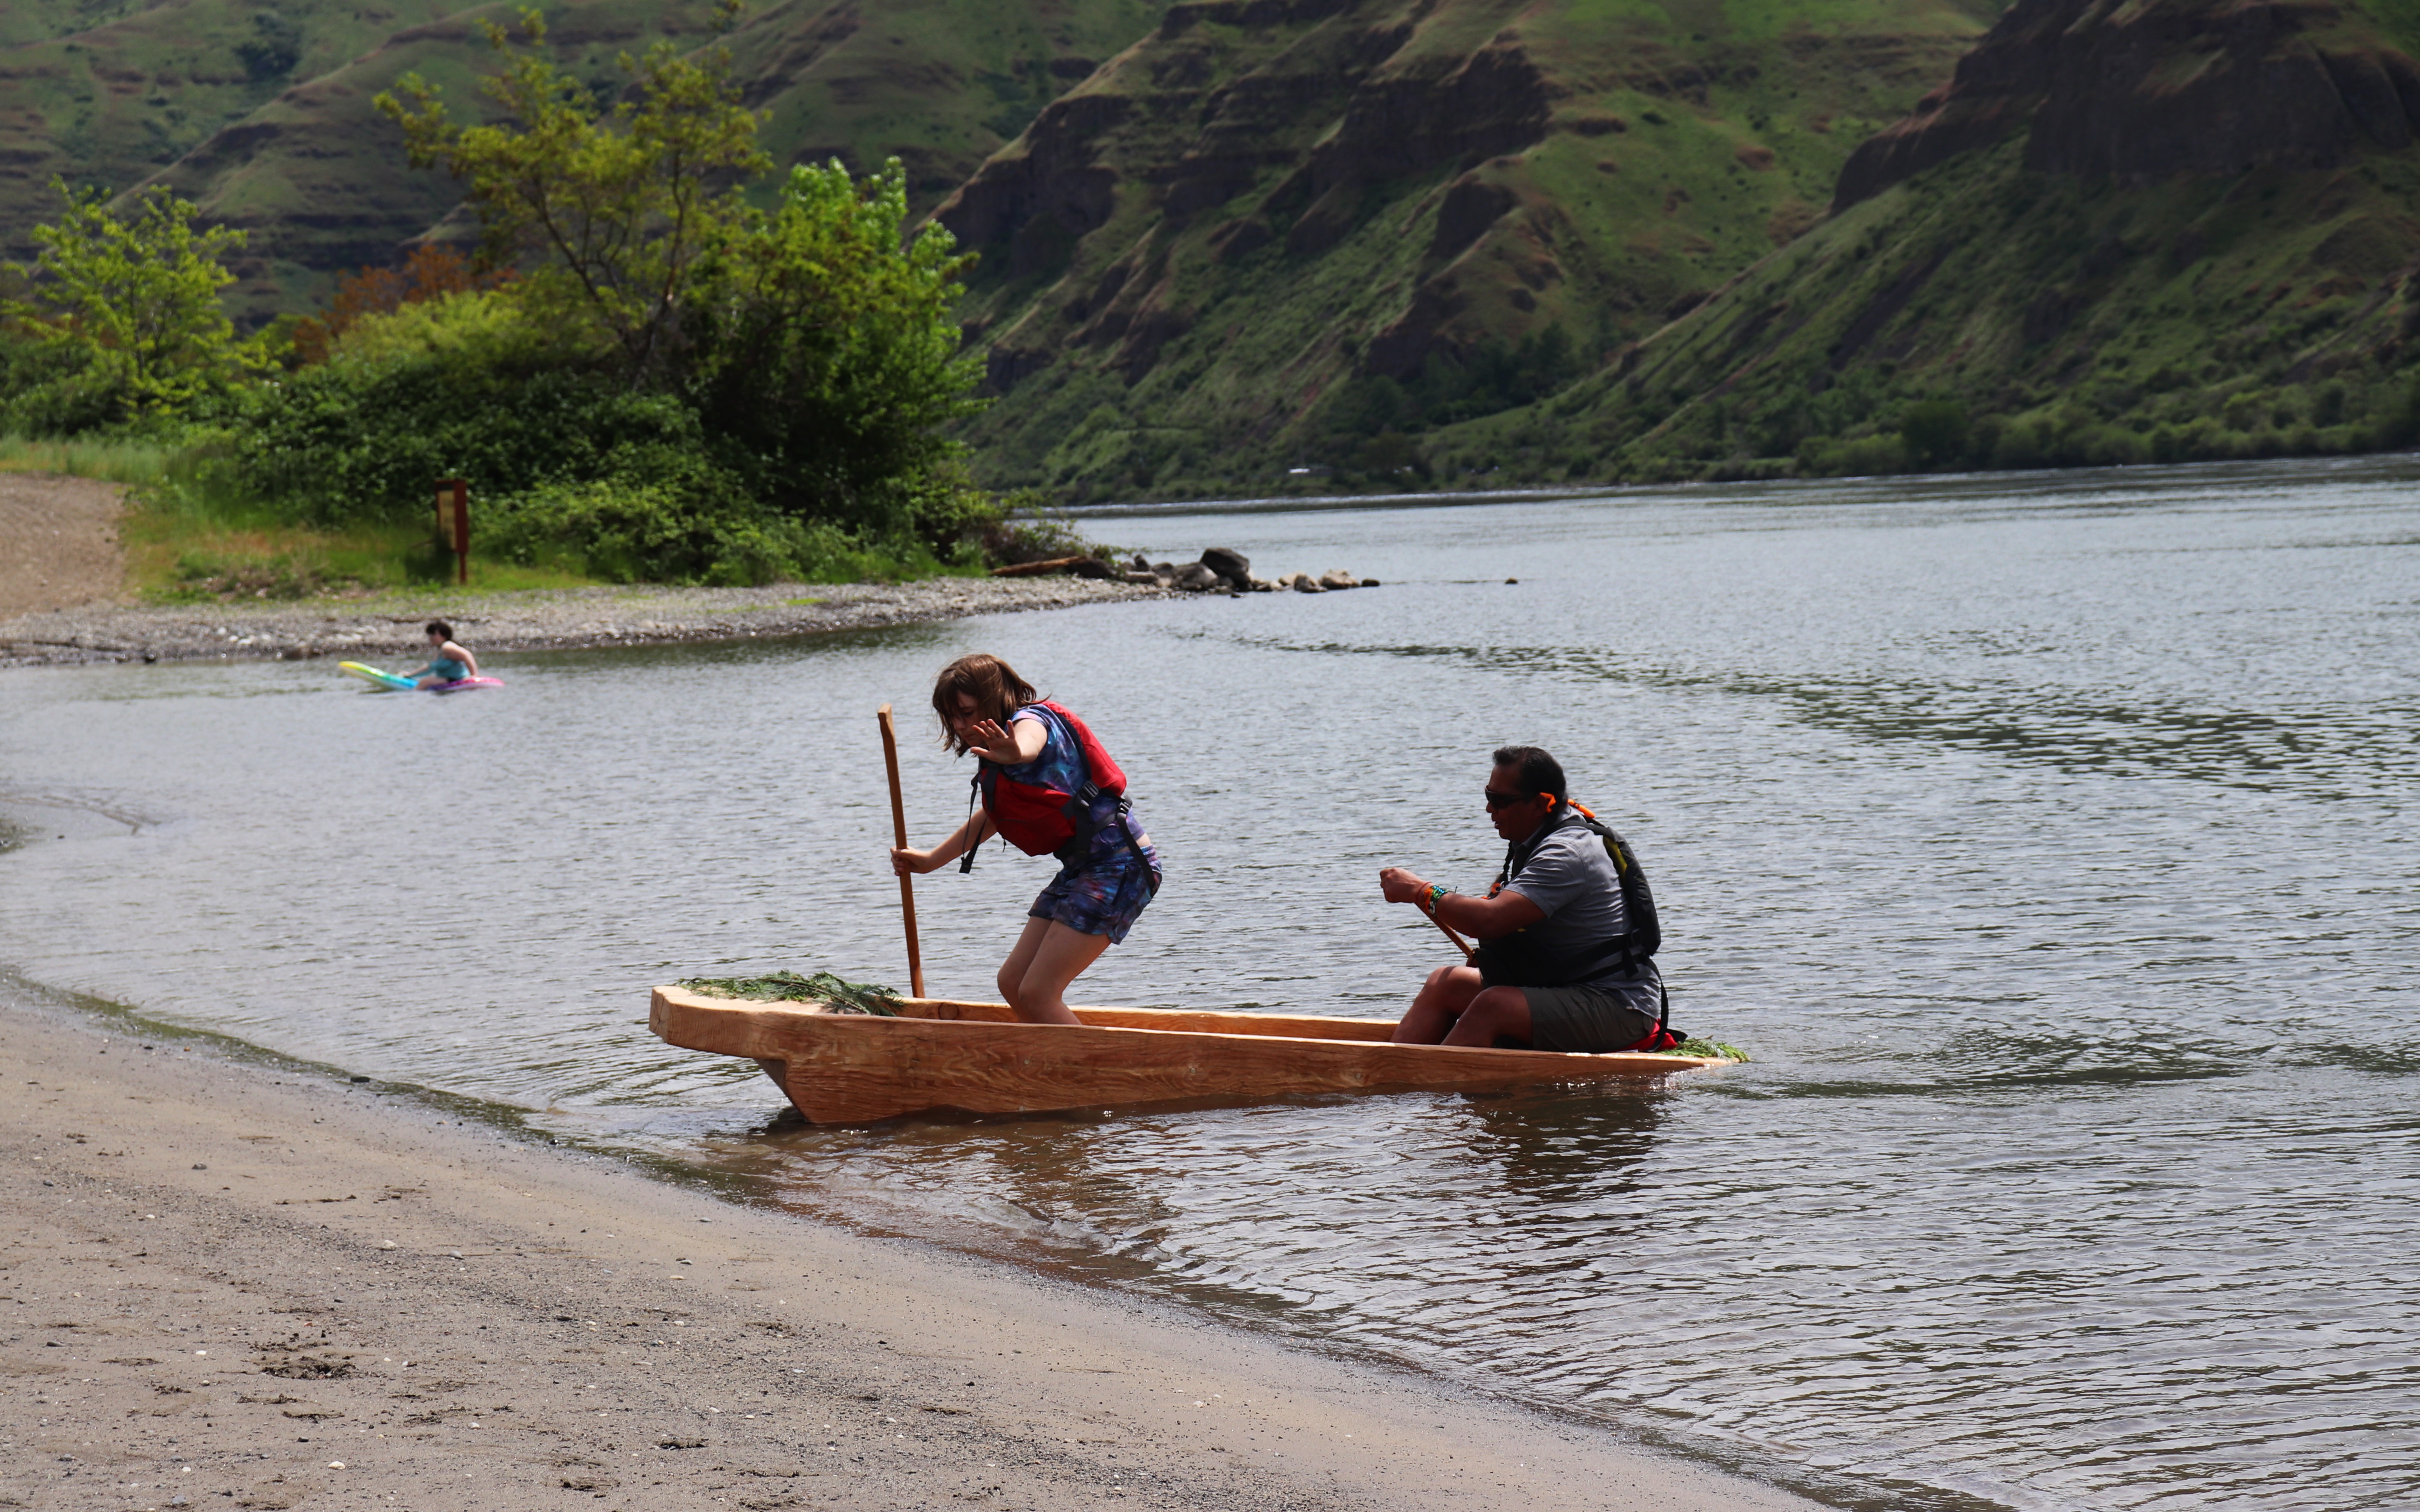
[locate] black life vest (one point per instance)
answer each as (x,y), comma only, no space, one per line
(1512,961)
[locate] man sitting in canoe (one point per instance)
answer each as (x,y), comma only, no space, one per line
(1566,960)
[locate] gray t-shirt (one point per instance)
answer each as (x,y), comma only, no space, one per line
(1571,877)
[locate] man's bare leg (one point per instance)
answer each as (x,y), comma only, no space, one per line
(1497,1012)
(1443,997)
(1047,957)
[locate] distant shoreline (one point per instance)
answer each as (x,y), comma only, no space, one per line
(388,627)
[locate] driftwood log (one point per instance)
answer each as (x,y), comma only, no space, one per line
(1080,567)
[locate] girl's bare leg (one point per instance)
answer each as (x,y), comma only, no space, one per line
(1049,956)
(1020,955)
(1443,997)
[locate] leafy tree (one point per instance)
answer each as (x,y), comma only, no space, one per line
(139,298)
(616,208)
(826,345)
(791,367)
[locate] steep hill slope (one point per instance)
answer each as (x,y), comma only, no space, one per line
(110,93)
(1277,231)
(264,117)
(2167,229)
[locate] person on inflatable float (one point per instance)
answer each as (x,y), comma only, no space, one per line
(448,662)
(1044,784)
(1565,958)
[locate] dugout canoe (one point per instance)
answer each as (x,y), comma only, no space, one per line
(848,1068)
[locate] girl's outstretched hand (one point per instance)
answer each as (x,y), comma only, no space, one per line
(993,742)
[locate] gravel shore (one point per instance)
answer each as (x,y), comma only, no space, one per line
(369,630)
(267,1286)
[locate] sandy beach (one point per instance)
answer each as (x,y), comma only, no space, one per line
(233,1281)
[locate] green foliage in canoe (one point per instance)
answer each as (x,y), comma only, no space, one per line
(1692,1046)
(789,987)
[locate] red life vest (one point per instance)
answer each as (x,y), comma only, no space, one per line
(1040,821)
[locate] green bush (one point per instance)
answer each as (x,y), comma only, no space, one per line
(483,327)
(670,518)
(1854,456)
(366,442)
(1934,431)
(58,388)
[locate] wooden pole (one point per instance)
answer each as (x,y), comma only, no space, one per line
(899,832)
(453,523)
(1469,955)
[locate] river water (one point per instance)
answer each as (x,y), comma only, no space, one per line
(2046,840)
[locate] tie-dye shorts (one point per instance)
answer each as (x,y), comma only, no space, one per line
(1104,897)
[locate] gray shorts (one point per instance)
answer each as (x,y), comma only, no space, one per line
(1592,1019)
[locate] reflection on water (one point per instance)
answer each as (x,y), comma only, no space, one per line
(2046,840)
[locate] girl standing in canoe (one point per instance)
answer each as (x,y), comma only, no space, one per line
(1043,784)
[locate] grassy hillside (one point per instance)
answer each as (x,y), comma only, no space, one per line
(109,94)
(2171,266)
(1270,236)
(262,115)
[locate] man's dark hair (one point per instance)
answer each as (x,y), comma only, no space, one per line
(1540,772)
(439,628)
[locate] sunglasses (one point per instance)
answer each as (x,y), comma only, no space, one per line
(1506,800)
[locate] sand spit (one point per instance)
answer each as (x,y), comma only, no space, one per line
(231,1285)
(385,630)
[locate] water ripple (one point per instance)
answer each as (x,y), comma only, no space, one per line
(2045,839)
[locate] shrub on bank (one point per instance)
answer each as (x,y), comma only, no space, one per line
(695,528)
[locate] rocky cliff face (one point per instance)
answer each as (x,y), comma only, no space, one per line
(1273,229)
(2137,92)
(1284,149)
(2166,230)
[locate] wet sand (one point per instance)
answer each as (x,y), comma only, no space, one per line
(236,1282)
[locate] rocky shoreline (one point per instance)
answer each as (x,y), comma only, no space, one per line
(382,628)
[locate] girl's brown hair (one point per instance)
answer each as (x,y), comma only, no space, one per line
(993,684)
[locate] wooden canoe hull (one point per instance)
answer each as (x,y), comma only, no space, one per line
(976,1056)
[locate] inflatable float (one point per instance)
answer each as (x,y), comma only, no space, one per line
(390,683)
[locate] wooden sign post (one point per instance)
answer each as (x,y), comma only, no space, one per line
(453,522)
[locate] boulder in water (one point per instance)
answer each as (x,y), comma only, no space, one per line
(1233,565)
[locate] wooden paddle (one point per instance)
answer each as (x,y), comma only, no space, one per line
(1469,956)
(899,829)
